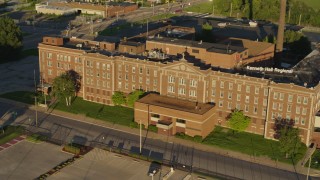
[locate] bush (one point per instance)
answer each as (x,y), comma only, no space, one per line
(196,138)
(133,97)
(72,149)
(118,98)
(153,128)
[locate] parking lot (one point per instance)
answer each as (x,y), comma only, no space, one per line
(27,160)
(101,164)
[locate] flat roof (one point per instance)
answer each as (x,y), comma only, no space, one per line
(177,104)
(211,47)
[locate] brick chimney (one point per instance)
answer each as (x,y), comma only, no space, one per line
(279,46)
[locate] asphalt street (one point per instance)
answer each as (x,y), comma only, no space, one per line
(63,130)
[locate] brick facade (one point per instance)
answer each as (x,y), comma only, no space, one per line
(259,98)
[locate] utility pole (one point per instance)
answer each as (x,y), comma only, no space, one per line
(147,28)
(309,168)
(91,27)
(140,137)
(300,19)
(35,96)
(152,8)
(231,9)
(212,7)
(289,14)
(45,98)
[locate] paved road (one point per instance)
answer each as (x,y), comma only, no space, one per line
(65,130)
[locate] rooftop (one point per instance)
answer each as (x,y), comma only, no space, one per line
(177,104)
(211,47)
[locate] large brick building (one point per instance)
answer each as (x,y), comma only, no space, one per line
(192,96)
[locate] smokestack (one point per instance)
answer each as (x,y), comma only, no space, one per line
(282,22)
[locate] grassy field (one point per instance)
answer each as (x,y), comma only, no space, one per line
(115,114)
(312,3)
(246,143)
(21,96)
(205,7)
(10,132)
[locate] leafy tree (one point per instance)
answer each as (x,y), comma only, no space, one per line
(64,87)
(118,98)
(206,33)
(237,121)
(297,42)
(10,38)
(290,141)
(280,124)
(133,97)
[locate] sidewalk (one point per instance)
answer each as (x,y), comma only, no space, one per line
(224,152)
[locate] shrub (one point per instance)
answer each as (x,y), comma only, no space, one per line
(71,149)
(153,128)
(118,98)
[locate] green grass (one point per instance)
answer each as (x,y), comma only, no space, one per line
(36,138)
(315,160)
(315,4)
(205,7)
(114,114)
(251,144)
(29,52)
(21,96)
(10,132)
(72,149)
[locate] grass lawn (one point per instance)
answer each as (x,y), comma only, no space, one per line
(315,4)
(10,132)
(115,114)
(247,143)
(21,96)
(205,7)
(315,160)
(36,138)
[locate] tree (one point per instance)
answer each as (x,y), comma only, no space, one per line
(290,141)
(10,39)
(133,97)
(237,121)
(64,87)
(280,124)
(118,98)
(297,42)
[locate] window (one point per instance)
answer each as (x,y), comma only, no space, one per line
(281,96)
(98,74)
(221,94)
(140,79)
(133,79)
(182,81)
(108,66)
(290,97)
(280,106)
(126,86)
(147,81)
(108,84)
(275,95)
(98,83)
(247,99)
(274,106)
(239,87)
(49,55)
(193,83)
(119,76)
(119,85)
(104,66)
(179,121)
(214,83)
(58,65)
(229,105)
(264,112)
(140,70)
(155,82)
(303,121)
(126,77)
(171,89)
(108,75)
(246,108)
(288,117)
(304,111)
(289,108)
(238,106)
(265,92)
(171,79)
(97,65)
(220,103)
(296,120)
(103,83)
(305,100)
(299,99)
(88,63)
(195,51)
(247,89)
(49,72)
(192,93)
(155,73)
(229,95)
(148,71)
(230,86)
(255,100)
(297,110)
(256,90)
(49,63)
(133,69)
(222,84)
(255,110)
(238,97)
(119,67)
(213,92)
